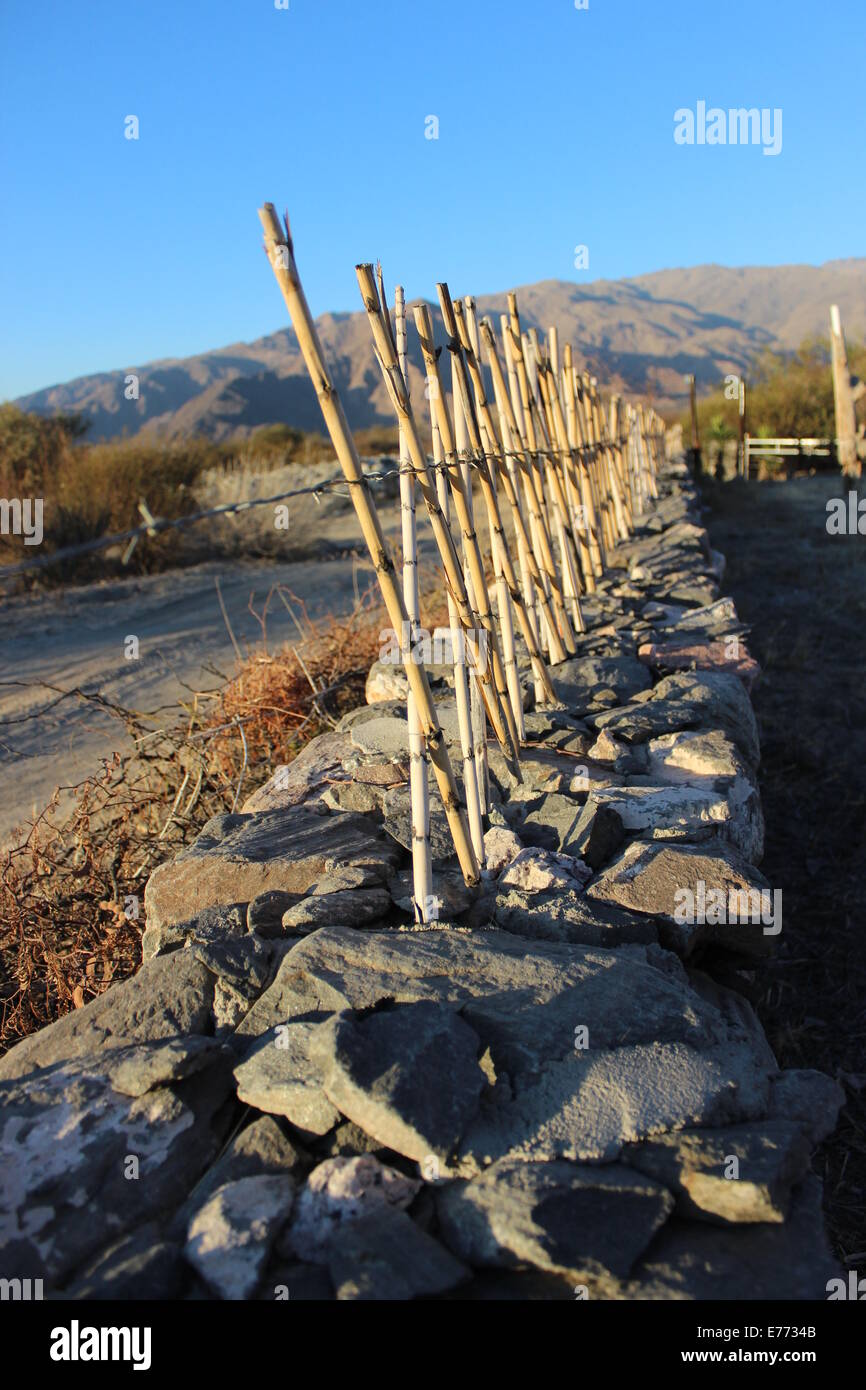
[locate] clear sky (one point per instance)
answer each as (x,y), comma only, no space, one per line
(556,129)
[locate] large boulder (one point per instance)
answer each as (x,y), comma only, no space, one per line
(655,1053)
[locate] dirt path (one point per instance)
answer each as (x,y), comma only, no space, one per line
(804,592)
(75,638)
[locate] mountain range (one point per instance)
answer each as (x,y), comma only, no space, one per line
(639,336)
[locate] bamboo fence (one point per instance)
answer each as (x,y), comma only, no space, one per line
(574,475)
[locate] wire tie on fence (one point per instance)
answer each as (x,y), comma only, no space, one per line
(148,517)
(127,554)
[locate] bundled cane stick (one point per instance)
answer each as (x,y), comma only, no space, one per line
(517,408)
(422,863)
(476,709)
(461,494)
(488,673)
(561,635)
(281,255)
(461,684)
(562,520)
(579,442)
(469,367)
(583,518)
(464,395)
(531,442)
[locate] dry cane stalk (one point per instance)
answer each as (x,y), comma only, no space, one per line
(557,439)
(531,440)
(517,407)
(583,460)
(455,327)
(422,863)
(464,456)
(464,394)
(616,448)
(608,463)
(503,602)
(503,598)
(533,435)
(281,255)
(573,466)
(600,482)
(497,708)
(560,632)
(461,684)
(462,503)
(562,520)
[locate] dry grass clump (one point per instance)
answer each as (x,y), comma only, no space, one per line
(72,884)
(90,491)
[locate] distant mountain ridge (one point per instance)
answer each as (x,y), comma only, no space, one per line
(638,335)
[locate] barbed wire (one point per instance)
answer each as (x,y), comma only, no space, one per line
(332,486)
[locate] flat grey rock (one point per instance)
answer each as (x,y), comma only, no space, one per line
(689,700)
(280,1077)
(674,881)
(587,683)
(790,1262)
(237,858)
(303,779)
(337,1193)
(140,1267)
(395,709)
(562,1217)
(230,1237)
(728,1176)
(679,811)
(265,913)
(407,1074)
(809,1099)
(552,824)
(569,915)
(585,1109)
(258,1150)
(136,1070)
(386,1256)
(170,997)
(355,907)
(212,924)
(82,1165)
(397,823)
(660,1054)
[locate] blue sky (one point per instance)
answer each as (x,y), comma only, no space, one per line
(555,129)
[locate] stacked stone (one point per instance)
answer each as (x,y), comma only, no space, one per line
(557,1089)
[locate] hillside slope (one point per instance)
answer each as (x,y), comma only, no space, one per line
(639,335)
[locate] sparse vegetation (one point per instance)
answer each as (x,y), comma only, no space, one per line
(788,395)
(93,490)
(68,882)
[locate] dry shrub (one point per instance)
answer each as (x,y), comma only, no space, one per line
(91,490)
(789,396)
(72,881)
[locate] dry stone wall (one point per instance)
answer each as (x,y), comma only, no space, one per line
(557,1089)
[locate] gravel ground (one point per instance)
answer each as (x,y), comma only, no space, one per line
(804,593)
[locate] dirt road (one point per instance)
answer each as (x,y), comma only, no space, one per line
(804,592)
(76,638)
